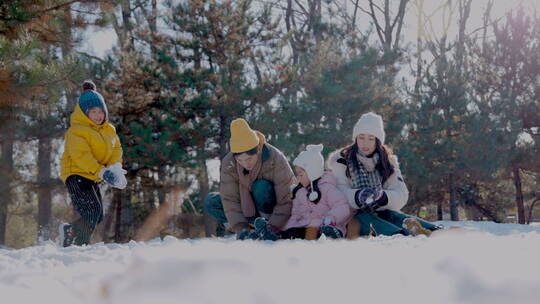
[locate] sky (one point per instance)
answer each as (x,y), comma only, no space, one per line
(98,42)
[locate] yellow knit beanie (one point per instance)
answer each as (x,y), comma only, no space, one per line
(243,138)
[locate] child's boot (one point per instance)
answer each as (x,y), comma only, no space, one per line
(353,229)
(311,233)
(331,232)
(66,235)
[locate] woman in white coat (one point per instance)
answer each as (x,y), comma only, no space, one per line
(368,174)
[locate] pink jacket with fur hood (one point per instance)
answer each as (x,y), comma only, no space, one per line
(332,203)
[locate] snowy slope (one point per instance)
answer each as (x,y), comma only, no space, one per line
(480,263)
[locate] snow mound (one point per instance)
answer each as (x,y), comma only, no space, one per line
(479,263)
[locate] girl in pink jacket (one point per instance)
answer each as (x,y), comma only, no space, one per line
(318,206)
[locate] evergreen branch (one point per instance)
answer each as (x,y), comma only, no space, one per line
(57,7)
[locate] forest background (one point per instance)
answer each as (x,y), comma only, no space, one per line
(457,82)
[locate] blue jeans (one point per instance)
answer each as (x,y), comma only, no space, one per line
(264,197)
(387,222)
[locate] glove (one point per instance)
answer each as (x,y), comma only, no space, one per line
(117,167)
(114,175)
(246,234)
(366,198)
(264,230)
(108,176)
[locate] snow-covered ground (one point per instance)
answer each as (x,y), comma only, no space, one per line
(480,263)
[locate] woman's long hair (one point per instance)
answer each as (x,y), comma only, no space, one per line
(383,166)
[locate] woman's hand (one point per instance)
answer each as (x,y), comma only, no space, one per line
(367,199)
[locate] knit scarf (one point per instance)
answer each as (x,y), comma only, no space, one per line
(362,170)
(246,180)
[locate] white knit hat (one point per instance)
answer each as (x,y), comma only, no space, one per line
(370,123)
(311,161)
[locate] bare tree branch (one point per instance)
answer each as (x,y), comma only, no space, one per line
(91,56)
(56,7)
(399,17)
(379,29)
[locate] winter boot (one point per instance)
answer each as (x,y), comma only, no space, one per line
(331,232)
(414,227)
(66,235)
(311,233)
(353,229)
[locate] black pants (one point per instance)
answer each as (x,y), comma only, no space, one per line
(293,233)
(86,199)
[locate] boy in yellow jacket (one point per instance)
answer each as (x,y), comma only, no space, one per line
(92,154)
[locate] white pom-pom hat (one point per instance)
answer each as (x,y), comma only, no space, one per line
(371,124)
(312,161)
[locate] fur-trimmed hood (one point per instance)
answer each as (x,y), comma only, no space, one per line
(336,155)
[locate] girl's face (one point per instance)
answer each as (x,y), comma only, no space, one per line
(96,115)
(247,161)
(302,176)
(366,143)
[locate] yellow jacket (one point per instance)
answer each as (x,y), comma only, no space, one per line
(89,147)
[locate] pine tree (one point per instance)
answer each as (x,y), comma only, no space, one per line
(508,83)
(33,76)
(336,76)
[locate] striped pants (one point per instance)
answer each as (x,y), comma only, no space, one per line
(86,199)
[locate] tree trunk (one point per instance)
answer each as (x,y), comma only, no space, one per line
(108,221)
(6,168)
(117,203)
(128,43)
(486,212)
(67,50)
(519,196)
(44,188)
(162,191)
(290,26)
(153,29)
(464,13)
(419,36)
(223,136)
(124,218)
(439,211)
(473,213)
(204,188)
(454,212)
(531,209)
